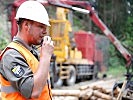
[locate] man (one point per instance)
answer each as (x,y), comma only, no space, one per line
(24,74)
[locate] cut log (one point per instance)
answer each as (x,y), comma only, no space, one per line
(84,87)
(96,87)
(65,98)
(101,89)
(93,98)
(86,94)
(116,92)
(100,99)
(71,98)
(102,95)
(66,93)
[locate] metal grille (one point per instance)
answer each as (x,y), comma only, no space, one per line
(83,69)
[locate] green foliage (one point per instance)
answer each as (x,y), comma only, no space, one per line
(116,59)
(78,21)
(3,40)
(77,24)
(117,65)
(117,71)
(128,40)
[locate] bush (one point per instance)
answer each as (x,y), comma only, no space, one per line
(4,40)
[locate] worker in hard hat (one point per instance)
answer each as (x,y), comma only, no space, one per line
(24,74)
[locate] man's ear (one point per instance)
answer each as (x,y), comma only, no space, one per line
(27,25)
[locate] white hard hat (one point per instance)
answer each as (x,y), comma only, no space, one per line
(33,10)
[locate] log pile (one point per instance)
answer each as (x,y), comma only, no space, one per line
(97,93)
(94,93)
(87,92)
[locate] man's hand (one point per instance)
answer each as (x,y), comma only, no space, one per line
(47,40)
(47,46)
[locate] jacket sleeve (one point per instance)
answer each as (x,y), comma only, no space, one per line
(16,70)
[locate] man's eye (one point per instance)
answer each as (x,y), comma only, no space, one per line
(40,26)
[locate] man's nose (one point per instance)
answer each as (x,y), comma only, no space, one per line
(44,32)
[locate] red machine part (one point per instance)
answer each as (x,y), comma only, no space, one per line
(15,6)
(85,42)
(88,10)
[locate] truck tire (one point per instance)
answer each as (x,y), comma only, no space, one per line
(58,82)
(95,72)
(72,79)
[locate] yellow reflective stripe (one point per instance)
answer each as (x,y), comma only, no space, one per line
(8,89)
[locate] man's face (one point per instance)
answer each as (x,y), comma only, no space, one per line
(36,32)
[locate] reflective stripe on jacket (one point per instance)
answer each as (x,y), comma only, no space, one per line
(8,92)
